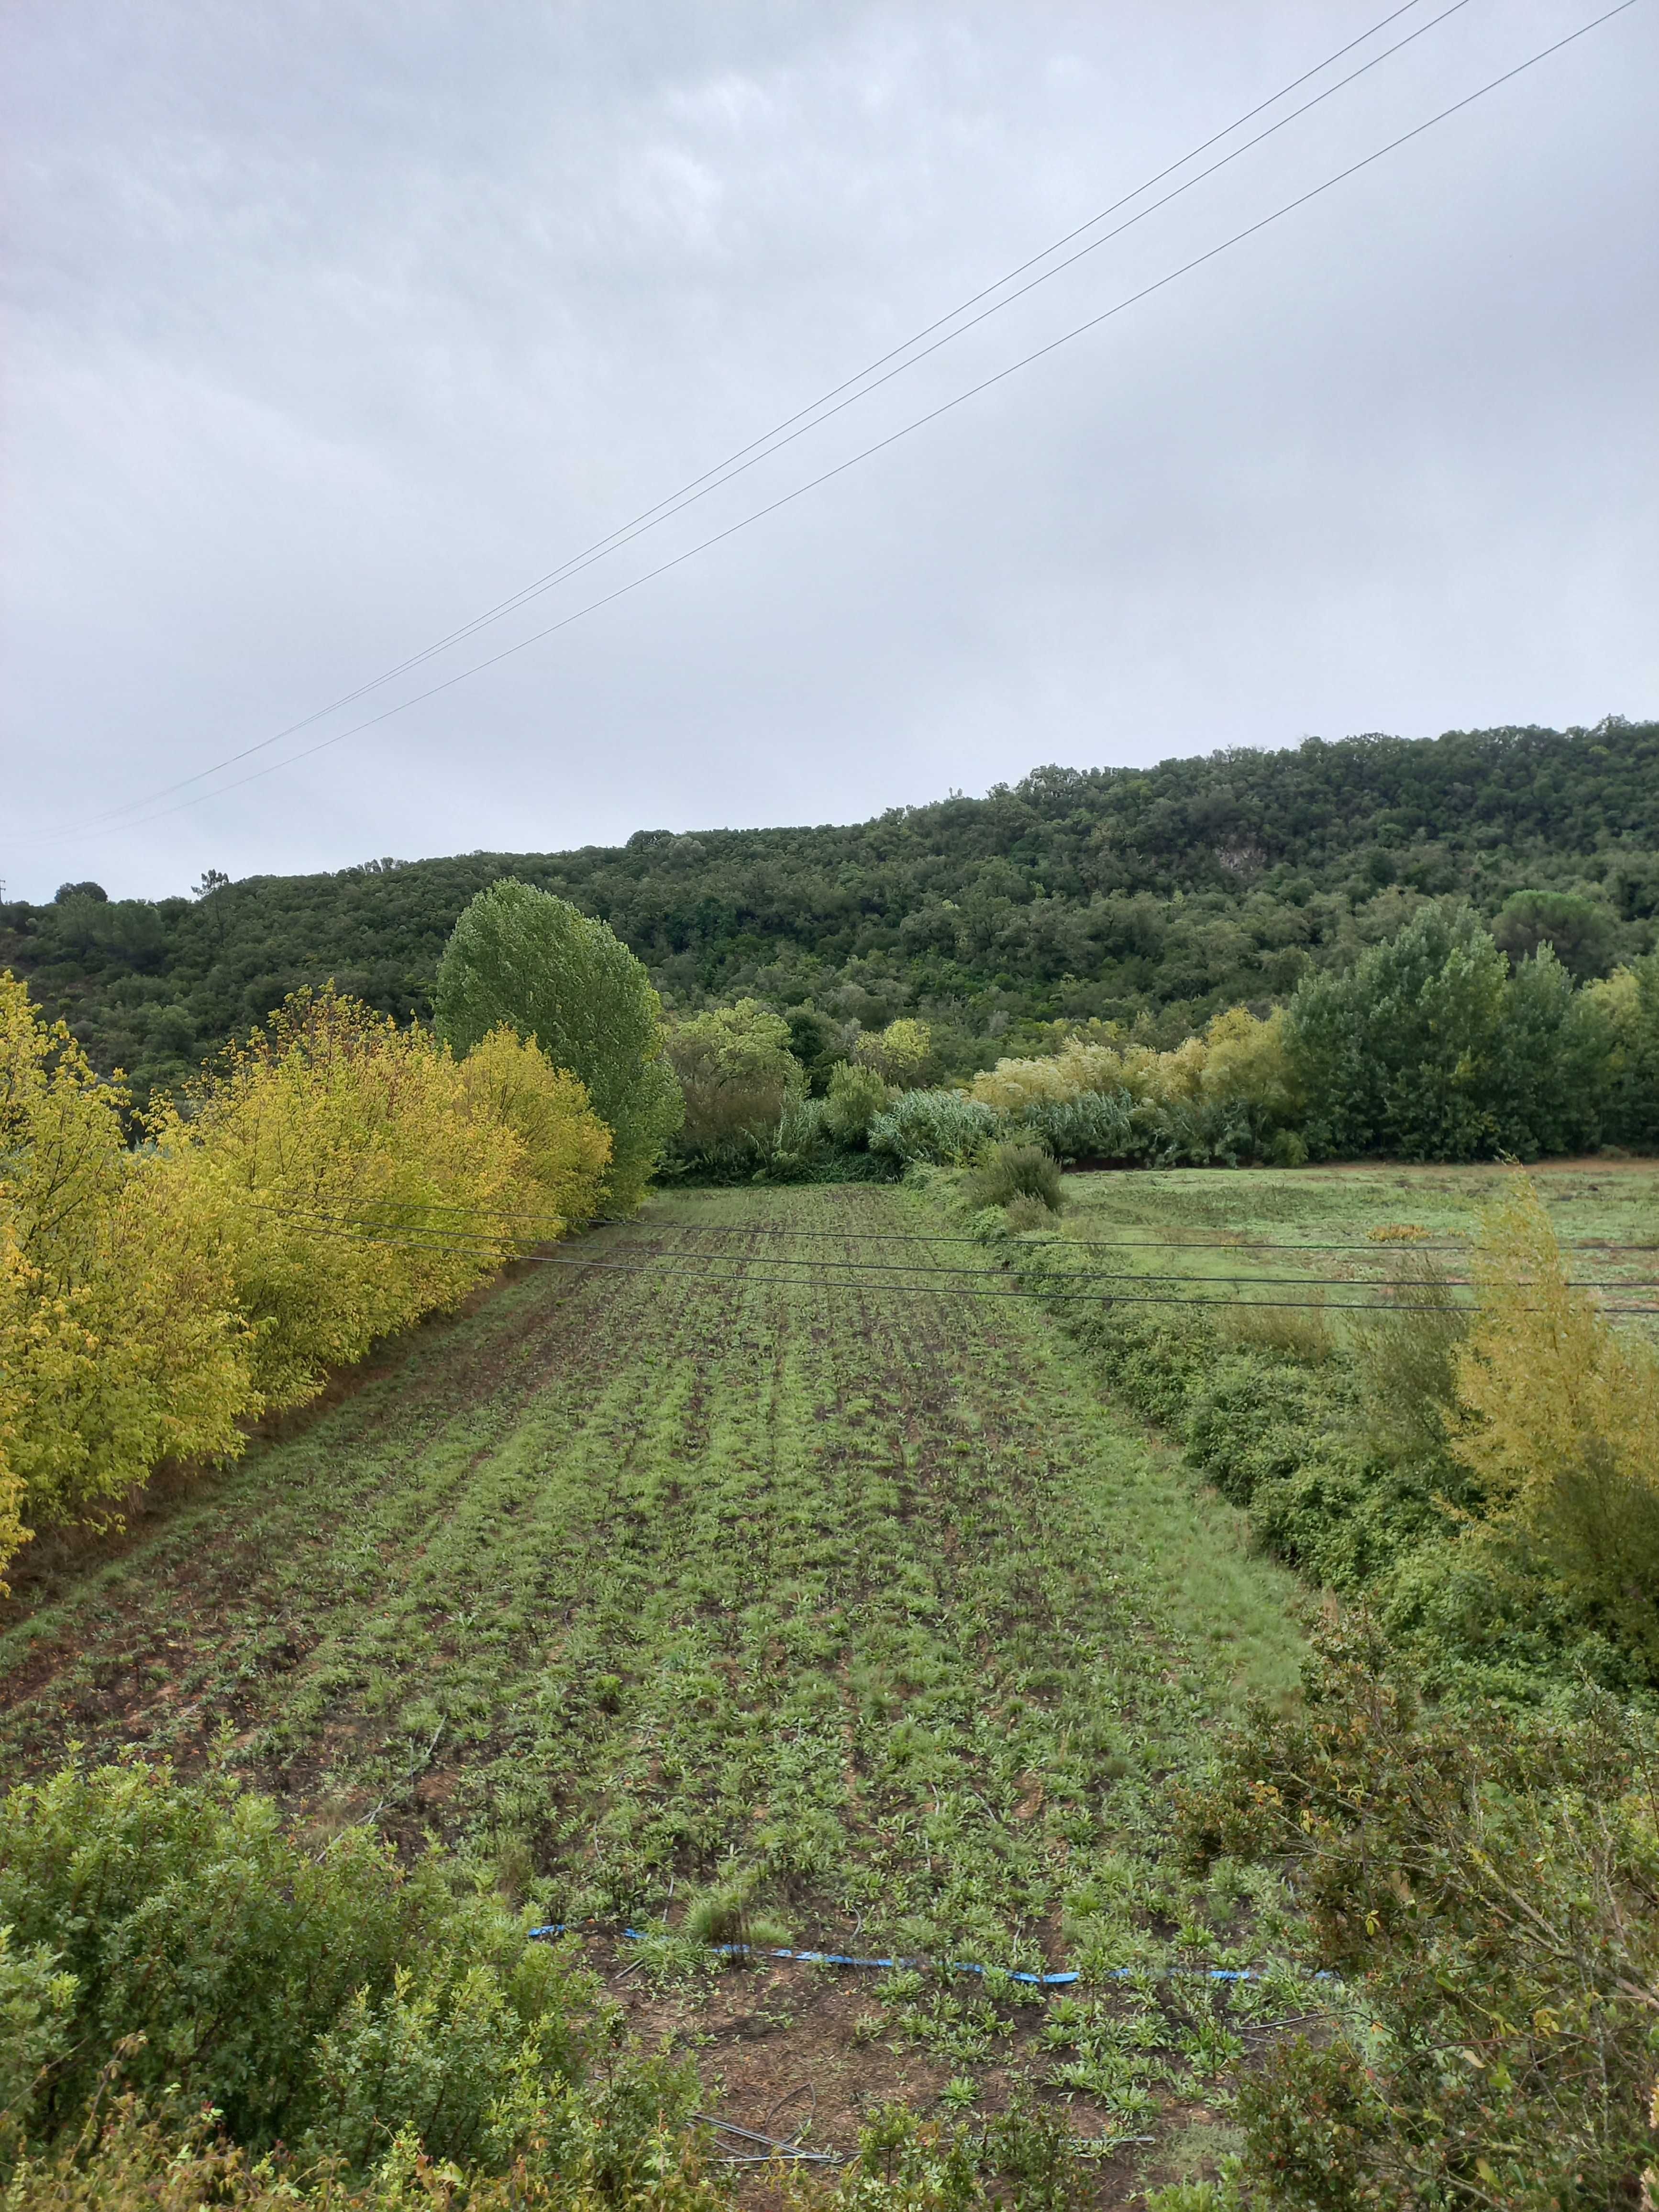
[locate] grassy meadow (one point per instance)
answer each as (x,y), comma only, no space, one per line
(772,1568)
(1266,1234)
(674,1600)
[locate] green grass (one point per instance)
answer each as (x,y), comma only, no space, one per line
(1225,1231)
(627,1586)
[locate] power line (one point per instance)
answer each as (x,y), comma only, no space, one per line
(739,462)
(1015,1293)
(1379,1248)
(1019,1288)
(463,1238)
(881,444)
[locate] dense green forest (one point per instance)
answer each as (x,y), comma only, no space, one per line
(1164,893)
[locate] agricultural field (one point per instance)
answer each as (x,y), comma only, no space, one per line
(701,1597)
(1305,1241)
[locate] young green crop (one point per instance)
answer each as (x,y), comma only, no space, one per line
(857,1614)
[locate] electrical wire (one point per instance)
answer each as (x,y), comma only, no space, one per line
(560,1223)
(460,1239)
(760,448)
(1379,1246)
(881,444)
(1017,1290)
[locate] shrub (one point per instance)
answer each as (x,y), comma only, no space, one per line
(1009,1171)
(1487,1888)
(855,1096)
(932,1128)
(522,957)
(564,1148)
(120,1343)
(1562,1437)
(357,1176)
(333,1179)
(338,2001)
(134,2160)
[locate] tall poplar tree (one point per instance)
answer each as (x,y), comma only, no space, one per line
(522,957)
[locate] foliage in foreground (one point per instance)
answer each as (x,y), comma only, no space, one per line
(198,2007)
(1487,1890)
(127,2159)
(330,1999)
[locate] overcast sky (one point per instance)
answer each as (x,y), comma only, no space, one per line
(333,324)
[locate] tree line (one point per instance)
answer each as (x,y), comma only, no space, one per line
(1161,895)
(320,1185)
(1433,1045)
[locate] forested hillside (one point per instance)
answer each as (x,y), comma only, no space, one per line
(1170,891)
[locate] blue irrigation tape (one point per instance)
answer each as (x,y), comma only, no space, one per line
(546,1934)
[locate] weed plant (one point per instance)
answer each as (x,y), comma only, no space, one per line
(1006,1172)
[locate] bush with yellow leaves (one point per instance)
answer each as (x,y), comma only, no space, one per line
(120,1342)
(329,1183)
(357,1175)
(1562,1418)
(1240,1059)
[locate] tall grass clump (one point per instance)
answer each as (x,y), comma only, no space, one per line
(932,1128)
(1008,1171)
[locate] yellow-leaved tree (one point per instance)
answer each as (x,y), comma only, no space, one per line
(897,1054)
(120,1343)
(358,1176)
(329,1182)
(13,1406)
(1561,1426)
(1241,1060)
(508,1082)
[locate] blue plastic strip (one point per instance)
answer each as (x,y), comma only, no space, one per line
(893,1965)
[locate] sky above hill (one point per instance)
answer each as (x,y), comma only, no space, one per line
(333,324)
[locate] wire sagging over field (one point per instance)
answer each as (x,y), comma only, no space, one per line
(1113,1288)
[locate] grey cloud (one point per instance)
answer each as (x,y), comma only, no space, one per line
(330,326)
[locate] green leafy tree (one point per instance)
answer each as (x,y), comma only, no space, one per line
(1550,1063)
(1627,1003)
(736,1070)
(815,1038)
(522,957)
(1399,1053)
(1581,932)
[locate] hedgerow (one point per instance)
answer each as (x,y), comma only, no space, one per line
(326,1183)
(1488,1482)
